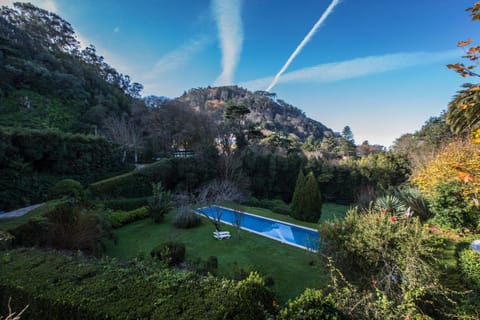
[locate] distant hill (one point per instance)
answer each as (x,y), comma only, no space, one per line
(266,111)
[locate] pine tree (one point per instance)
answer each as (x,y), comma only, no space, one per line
(306,200)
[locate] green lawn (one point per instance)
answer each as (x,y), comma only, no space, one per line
(292,269)
(330,211)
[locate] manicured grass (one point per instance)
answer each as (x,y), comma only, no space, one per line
(292,269)
(330,211)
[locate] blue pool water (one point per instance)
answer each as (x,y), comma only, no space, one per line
(284,232)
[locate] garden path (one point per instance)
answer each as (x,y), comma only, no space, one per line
(19,212)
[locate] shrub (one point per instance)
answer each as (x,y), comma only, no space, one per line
(6,240)
(33,232)
(67,187)
(204,267)
(185,218)
(390,261)
(469,265)
(452,209)
(74,228)
(172,253)
(312,304)
(121,218)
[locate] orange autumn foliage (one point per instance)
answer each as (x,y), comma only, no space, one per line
(457,161)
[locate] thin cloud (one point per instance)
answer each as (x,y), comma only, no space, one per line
(178,57)
(116,29)
(355,68)
(304,42)
(228,17)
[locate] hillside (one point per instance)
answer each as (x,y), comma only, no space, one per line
(48,81)
(266,111)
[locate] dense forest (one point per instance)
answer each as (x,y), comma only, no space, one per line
(112,166)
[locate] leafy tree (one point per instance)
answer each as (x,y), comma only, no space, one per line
(160,203)
(125,133)
(464,110)
(425,143)
(306,200)
(457,161)
(214,194)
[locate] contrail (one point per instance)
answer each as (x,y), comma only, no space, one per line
(304,42)
(227,14)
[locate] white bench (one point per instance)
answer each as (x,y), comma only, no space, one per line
(220,235)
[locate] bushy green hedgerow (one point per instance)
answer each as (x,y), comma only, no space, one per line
(121,218)
(469,264)
(136,183)
(58,286)
(275,205)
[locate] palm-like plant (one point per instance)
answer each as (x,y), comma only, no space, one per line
(390,204)
(464,110)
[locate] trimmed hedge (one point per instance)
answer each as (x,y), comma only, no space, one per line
(125,204)
(58,286)
(469,265)
(275,205)
(173,173)
(135,184)
(121,218)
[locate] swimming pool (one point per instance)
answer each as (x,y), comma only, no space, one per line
(301,237)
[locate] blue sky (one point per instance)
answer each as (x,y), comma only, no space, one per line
(378,66)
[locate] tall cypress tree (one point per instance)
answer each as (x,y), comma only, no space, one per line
(313,200)
(306,200)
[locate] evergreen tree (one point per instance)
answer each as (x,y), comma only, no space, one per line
(306,200)
(297,198)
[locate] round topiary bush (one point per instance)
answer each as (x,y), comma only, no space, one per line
(185,218)
(67,187)
(469,264)
(173,253)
